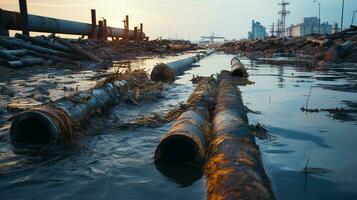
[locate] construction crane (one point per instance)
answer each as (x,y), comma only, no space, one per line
(211,38)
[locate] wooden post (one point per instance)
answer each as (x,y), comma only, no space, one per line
(126,26)
(24,17)
(135,33)
(101,30)
(105,33)
(3,30)
(94,25)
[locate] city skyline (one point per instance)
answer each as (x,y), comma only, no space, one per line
(189,19)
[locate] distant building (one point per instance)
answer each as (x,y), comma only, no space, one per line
(309,26)
(258,31)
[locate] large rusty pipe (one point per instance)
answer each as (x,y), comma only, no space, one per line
(234,169)
(12,21)
(181,153)
(47,126)
(186,140)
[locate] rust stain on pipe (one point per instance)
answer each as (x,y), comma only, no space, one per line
(234,169)
(186,140)
(181,153)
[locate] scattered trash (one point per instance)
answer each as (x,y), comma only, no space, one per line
(337,47)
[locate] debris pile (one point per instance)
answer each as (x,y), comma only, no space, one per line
(22,50)
(334,48)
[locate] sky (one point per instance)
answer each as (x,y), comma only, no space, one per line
(188,19)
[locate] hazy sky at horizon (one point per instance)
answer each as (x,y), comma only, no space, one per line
(188,19)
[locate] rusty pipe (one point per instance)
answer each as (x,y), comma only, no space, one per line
(237,68)
(12,21)
(167,72)
(186,140)
(183,148)
(51,125)
(234,169)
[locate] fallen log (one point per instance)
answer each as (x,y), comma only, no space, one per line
(43,42)
(23,62)
(8,56)
(37,48)
(234,169)
(79,50)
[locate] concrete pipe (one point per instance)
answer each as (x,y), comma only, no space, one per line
(47,126)
(234,169)
(237,68)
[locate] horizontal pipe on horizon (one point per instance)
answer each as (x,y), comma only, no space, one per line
(12,21)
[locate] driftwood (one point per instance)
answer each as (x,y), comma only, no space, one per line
(44,43)
(25,62)
(22,44)
(79,50)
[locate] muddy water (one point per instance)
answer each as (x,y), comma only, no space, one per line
(115,161)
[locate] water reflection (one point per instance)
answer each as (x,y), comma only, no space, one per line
(184,174)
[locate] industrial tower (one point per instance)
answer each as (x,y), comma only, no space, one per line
(283,13)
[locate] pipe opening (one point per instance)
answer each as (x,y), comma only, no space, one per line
(178,148)
(32,130)
(162,73)
(176,158)
(239,72)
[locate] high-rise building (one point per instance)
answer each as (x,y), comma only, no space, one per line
(310,25)
(258,31)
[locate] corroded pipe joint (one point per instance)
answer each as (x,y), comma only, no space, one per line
(237,68)
(41,128)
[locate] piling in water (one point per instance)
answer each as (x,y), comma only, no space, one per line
(234,169)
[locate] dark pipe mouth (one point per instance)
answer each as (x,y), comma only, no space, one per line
(33,130)
(178,148)
(239,72)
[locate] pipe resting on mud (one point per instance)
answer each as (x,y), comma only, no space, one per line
(234,169)
(167,72)
(47,126)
